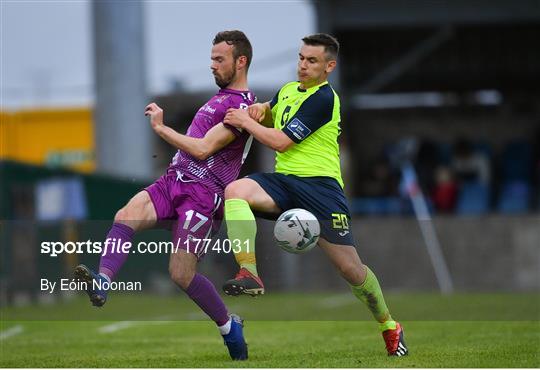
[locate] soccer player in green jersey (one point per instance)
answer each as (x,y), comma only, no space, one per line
(301,124)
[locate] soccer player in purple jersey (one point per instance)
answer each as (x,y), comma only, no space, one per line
(190,193)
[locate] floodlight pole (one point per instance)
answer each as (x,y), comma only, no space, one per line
(122,134)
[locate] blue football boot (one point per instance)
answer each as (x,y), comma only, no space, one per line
(98,297)
(235,339)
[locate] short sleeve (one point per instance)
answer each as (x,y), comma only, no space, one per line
(274,100)
(314,113)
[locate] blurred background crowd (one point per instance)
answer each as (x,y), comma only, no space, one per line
(466,176)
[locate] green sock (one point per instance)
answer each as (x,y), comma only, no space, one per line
(241,226)
(371,294)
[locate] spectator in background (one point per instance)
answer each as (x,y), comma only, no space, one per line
(470,165)
(380,181)
(426,162)
(444,194)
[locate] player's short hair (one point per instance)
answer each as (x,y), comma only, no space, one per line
(330,43)
(239,40)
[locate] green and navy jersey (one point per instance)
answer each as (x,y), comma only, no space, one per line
(311,119)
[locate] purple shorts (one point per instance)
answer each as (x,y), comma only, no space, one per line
(196,211)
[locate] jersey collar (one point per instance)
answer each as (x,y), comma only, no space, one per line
(232,91)
(311,88)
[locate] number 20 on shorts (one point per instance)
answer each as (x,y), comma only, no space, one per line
(340,221)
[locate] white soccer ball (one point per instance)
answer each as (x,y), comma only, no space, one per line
(297,230)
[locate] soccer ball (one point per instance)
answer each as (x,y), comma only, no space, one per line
(297,230)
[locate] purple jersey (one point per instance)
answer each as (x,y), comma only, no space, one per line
(223,167)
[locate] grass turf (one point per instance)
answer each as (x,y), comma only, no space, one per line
(449,339)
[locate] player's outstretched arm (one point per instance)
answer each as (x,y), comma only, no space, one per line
(201,148)
(271,137)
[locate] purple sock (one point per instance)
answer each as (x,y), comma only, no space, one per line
(112,261)
(202,291)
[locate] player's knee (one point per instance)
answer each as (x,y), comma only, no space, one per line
(122,215)
(235,190)
(181,276)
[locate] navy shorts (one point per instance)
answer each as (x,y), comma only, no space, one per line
(322,196)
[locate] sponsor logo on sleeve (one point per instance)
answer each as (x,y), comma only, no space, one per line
(298,129)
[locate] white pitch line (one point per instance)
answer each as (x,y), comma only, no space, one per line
(121,325)
(111,328)
(18,329)
(159,320)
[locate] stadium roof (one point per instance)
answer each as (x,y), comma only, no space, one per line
(391,46)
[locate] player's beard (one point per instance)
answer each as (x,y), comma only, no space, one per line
(226,80)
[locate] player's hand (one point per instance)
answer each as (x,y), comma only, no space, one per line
(257,111)
(237,117)
(156,115)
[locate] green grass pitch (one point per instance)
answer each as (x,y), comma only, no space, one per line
(282,330)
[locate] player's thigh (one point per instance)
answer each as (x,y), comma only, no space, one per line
(325,199)
(139,213)
(182,267)
(196,212)
(346,259)
(253,193)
